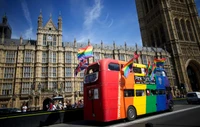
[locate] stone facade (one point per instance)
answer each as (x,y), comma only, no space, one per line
(174,25)
(34,71)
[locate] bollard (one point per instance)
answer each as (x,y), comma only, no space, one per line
(148,125)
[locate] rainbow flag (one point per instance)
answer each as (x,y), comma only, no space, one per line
(148,67)
(152,72)
(127,67)
(84,53)
(159,62)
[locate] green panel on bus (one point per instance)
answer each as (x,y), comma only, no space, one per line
(150,99)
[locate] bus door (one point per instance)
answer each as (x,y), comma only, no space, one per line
(161,96)
(92,88)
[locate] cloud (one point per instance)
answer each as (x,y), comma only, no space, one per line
(110,23)
(92,14)
(85,38)
(107,22)
(29,32)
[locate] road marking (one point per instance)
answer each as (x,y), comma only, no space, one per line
(153,117)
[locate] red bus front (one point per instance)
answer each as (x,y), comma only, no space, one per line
(101,91)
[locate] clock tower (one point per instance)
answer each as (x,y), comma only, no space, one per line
(49,54)
(49,34)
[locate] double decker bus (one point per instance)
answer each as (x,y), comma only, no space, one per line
(109,96)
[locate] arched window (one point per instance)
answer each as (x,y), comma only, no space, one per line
(184,30)
(190,30)
(146,6)
(178,29)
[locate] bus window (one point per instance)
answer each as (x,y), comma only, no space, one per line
(140,93)
(154,92)
(160,73)
(161,92)
(113,67)
(92,69)
(163,74)
(148,92)
(91,74)
(137,70)
(140,80)
(128,93)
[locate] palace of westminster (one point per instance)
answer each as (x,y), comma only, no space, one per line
(33,71)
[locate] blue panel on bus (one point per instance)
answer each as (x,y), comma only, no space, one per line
(161,102)
(160,82)
(161,97)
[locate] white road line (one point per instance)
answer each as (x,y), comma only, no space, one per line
(153,117)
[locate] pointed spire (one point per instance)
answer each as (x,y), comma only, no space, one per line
(4,19)
(114,46)
(74,42)
(40,16)
(88,41)
(101,44)
(59,18)
(21,39)
(136,46)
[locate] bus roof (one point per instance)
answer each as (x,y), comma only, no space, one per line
(120,62)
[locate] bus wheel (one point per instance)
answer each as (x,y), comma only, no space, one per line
(131,113)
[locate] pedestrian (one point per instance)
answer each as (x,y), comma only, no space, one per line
(24,107)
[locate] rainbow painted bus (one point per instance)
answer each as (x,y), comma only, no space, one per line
(109,96)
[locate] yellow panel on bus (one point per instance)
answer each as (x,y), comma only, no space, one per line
(140,98)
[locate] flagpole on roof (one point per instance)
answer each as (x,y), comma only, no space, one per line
(88,45)
(156,51)
(74,66)
(136,48)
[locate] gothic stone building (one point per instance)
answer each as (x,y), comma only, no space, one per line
(33,71)
(174,24)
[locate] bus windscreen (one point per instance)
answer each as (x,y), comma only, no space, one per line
(91,74)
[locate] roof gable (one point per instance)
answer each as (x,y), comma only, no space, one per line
(50,25)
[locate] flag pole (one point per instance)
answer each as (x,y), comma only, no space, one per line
(74,68)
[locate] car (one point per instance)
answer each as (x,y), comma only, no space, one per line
(193,97)
(9,110)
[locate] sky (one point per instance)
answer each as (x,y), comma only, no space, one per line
(98,20)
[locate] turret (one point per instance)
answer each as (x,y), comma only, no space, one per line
(4,19)
(40,20)
(60,22)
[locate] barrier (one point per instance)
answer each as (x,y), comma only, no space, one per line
(40,118)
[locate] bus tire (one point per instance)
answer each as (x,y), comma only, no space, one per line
(131,113)
(171,106)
